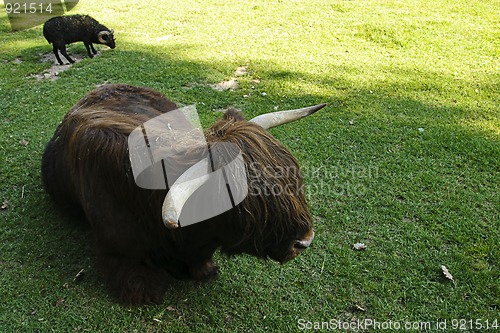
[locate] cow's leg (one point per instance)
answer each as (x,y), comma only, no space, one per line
(200,264)
(134,282)
(206,270)
(195,266)
(123,253)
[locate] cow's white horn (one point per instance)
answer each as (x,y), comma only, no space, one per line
(273,119)
(179,193)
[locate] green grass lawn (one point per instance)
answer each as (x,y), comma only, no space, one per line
(405,159)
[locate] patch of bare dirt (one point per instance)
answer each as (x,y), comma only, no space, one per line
(225,85)
(52,73)
(231,84)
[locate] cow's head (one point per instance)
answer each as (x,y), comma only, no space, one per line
(272,219)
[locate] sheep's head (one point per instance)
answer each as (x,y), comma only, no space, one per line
(107,38)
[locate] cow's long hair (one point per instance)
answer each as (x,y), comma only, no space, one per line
(275,206)
(86,168)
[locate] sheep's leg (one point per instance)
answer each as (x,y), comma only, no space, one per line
(87,46)
(56,52)
(92,47)
(65,54)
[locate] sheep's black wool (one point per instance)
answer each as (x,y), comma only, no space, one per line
(62,30)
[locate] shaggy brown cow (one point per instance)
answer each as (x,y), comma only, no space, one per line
(86,167)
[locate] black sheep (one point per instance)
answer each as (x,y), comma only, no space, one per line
(62,30)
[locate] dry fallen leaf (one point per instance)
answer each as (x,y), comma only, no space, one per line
(172,309)
(359,246)
(4,205)
(446,273)
(79,276)
(23,142)
(358,307)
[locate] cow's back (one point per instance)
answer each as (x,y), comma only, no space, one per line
(90,144)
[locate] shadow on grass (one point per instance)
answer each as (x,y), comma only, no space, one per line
(4,22)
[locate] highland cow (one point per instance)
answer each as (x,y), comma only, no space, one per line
(86,167)
(62,30)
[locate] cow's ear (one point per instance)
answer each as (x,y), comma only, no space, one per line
(234,115)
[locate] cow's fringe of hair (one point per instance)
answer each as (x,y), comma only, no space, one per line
(272,213)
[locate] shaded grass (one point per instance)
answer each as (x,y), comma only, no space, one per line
(417,198)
